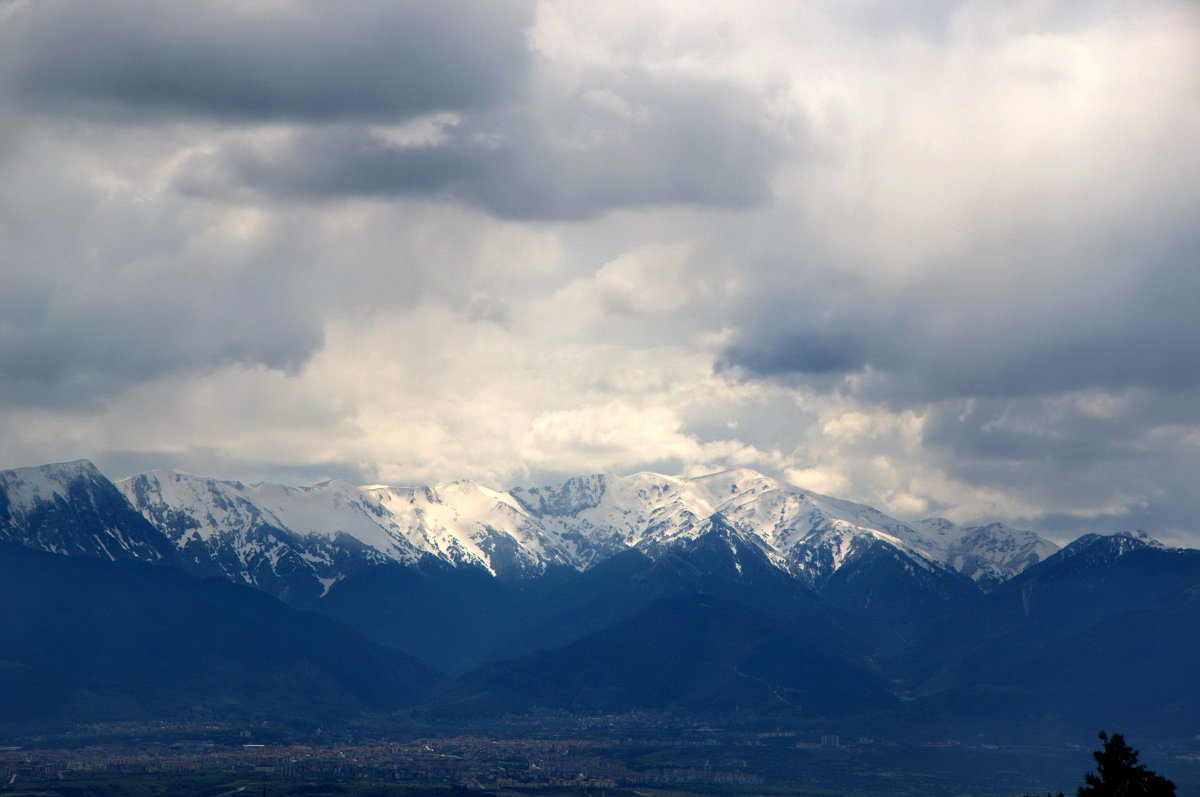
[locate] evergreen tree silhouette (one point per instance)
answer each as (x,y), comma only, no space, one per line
(1118,773)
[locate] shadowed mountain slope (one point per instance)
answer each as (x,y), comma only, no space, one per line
(86,639)
(1106,633)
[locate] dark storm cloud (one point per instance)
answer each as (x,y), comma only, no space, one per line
(1116,312)
(262,61)
(780,343)
(633,142)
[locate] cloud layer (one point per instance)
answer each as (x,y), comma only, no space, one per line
(366,59)
(939,262)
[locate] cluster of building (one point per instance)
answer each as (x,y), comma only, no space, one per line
(467,760)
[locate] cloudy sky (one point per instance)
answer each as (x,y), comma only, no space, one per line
(939,257)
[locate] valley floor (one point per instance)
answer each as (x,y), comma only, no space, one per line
(614,761)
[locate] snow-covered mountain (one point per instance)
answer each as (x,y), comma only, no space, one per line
(1109,547)
(71,508)
(273,536)
(296,542)
(269,534)
(293,542)
(810,534)
(988,554)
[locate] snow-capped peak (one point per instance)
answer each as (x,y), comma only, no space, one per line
(27,487)
(1111,545)
(575,523)
(71,508)
(988,554)
(1142,537)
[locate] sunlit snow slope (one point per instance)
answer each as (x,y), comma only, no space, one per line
(265,533)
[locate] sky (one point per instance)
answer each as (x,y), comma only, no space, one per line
(938,257)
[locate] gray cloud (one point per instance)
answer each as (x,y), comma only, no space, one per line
(110,278)
(1103,461)
(522,147)
(489,309)
(210,462)
(1112,314)
(102,291)
(85,316)
(630,142)
(263,61)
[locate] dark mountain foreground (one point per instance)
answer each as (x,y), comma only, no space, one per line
(1106,633)
(83,639)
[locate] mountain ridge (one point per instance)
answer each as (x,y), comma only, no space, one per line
(297,542)
(302,540)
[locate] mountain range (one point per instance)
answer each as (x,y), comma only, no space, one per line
(298,542)
(720,595)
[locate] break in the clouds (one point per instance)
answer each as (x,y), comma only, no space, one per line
(942,261)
